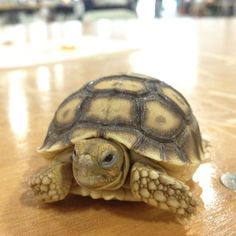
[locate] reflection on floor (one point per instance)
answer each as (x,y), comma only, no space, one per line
(23,45)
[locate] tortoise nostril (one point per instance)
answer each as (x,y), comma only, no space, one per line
(85,161)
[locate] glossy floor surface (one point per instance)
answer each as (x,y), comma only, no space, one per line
(198,57)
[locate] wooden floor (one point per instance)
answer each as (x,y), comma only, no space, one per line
(197,56)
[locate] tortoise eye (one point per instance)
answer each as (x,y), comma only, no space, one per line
(109,160)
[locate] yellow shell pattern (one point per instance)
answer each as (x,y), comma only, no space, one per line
(145,114)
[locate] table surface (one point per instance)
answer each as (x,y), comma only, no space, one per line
(198,57)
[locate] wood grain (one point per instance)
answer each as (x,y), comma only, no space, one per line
(198,57)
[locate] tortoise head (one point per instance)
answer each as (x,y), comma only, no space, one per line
(100,164)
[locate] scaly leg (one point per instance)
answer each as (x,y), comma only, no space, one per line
(53,183)
(158,189)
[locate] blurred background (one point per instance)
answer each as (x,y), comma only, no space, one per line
(32,31)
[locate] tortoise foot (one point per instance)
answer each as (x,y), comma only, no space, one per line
(158,189)
(53,183)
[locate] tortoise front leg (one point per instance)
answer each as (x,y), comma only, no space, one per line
(53,183)
(158,189)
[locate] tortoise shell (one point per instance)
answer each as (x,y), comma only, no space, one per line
(144,114)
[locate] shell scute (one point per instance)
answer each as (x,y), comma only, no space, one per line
(177,99)
(67,113)
(128,85)
(159,120)
(109,110)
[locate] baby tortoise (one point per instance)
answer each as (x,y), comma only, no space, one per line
(125,137)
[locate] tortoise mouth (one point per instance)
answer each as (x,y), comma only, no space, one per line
(90,180)
(94,181)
